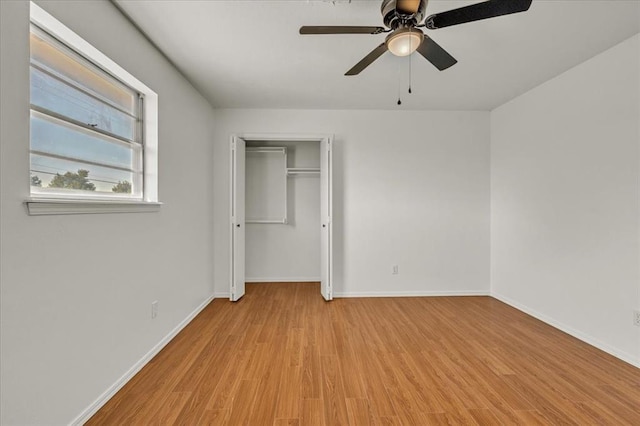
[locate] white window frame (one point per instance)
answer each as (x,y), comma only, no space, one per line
(39,204)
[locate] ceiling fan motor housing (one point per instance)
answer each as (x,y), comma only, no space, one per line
(394,17)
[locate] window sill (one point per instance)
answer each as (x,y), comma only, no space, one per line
(41,206)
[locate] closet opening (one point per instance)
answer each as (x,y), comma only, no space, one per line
(281,211)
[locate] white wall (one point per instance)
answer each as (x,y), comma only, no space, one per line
(564,201)
(76,290)
(410,188)
(288,252)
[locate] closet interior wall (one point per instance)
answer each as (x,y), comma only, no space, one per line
(290,251)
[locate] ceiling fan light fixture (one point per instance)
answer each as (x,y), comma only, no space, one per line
(404,41)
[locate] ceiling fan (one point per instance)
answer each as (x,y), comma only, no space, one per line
(402,19)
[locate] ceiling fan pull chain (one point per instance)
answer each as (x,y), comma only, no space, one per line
(410,61)
(410,56)
(399,83)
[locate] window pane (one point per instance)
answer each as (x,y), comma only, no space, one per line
(66,63)
(54,137)
(58,175)
(86,135)
(54,95)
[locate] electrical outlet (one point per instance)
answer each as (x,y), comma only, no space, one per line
(636,318)
(154,309)
(394,271)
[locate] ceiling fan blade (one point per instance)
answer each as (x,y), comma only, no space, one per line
(476,12)
(408,7)
(435,54)
(367,60)
(340,30)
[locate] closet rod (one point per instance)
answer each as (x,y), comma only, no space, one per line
(276,221)
(302,171)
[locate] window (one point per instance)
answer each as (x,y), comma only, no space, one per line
(93,125)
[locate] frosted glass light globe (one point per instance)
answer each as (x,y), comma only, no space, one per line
(404,41)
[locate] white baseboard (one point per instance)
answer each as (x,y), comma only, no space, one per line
(111,391)
(628,358)
(410,293)
(282,280)
(225,295)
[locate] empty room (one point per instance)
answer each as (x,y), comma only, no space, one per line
(319,212)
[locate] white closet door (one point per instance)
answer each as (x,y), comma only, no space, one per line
(326,238)
(237,218)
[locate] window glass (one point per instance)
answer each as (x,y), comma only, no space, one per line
(86,137)
(52,55)
(75,177)
(53,96)
(54,137)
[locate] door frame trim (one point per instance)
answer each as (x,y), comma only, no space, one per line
(271,137)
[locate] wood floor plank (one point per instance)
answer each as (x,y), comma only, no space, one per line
(354,348)
(268,387)
(243,402)
(289,393)
(542,398)
(484,416)
(311,374)
(283,356)
(532,417)
(224,392)
(286,422)
(387,421)
(171,409)
(333,394)
(375,389)
(312,412)
(293,352)
(215,417)
(359,412)
(437,419)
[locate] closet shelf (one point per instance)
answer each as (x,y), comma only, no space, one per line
(293,171)
(266,149)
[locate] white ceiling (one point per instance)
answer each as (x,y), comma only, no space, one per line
(248,54)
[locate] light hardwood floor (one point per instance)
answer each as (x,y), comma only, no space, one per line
(283,356)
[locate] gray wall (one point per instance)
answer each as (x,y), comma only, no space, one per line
(76,290)
(411,188)
(564,201)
